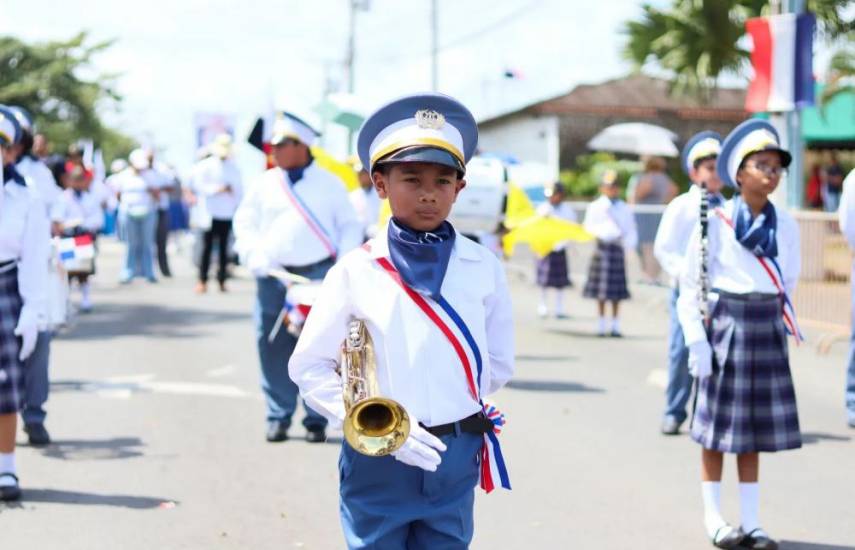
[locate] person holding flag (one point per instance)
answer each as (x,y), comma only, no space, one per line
(295,217)
(672,241)
(24,249)
(438,310)
(737,332)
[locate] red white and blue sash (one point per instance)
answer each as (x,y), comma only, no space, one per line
(493,467)
(308,216)
(777,277)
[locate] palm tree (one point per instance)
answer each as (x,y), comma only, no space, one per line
(696,41)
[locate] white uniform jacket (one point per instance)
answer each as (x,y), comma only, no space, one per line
(209,177)
(84,211)
(611,222)
(416,364)
(25,237)
(675,229)
(39,177)
(270,231)
(733,268)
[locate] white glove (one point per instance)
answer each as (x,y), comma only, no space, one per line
(258,264)
(700,359)
(421,449)
(28,330)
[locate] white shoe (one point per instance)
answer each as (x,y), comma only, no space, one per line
(542,311)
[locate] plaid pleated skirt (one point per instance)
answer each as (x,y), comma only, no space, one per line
(552,270)
(11,368)
(607,273)
(748,404)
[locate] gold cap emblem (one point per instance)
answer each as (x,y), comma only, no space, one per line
(428,118)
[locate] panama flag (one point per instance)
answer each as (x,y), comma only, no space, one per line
(74,249)
(782,59)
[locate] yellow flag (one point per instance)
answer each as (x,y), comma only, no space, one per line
(341,169)
(543,234)
(519,207)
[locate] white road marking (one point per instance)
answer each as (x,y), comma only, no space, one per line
(222,371)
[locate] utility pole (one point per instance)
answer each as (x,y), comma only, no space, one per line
(434,47)
(350,58)
(795,193)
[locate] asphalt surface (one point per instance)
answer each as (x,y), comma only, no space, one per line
(158,424)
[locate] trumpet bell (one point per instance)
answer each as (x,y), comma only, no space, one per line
(376,426)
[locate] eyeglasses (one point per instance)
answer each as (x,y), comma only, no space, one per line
(771,171)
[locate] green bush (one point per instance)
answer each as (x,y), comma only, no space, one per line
(583,181)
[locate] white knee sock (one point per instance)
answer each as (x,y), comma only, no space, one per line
(615,324)
(713,521)
(559,308)
(7,466)
(601,327)
(749,504)
(84,291)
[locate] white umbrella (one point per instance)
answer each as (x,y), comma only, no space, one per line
(636,138)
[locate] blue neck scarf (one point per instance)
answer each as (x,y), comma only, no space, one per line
(716,200)
(10,173)
(78,193)
(421,257)
(756,234)
(296,174)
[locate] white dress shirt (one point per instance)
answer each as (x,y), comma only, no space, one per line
(210,175)
(611,222)
(416,364)
(25,237)
(84,211)
(733,268)
(675,230)
(39,177)
(135,197)
(846,211)
(270,230)
(160,177)
(366,203)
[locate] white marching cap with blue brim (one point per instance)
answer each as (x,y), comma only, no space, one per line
(25,119)
(425,127)
(752,136)
(703,145)
(10,128)
(290,126)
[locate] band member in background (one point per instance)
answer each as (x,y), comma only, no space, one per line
(437,307)
(611,221)
(552,270)
(296,217)
(24,232)
(746,403)
(79,213)
(365,201)
(672,241)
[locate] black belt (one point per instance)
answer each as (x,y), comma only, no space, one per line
(303,269)
(475,424)
(7,263)
(748,296)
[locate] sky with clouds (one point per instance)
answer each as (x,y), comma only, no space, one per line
(179,57)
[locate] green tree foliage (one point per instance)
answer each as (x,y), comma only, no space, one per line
(58,84)
(698,40)
(584,180)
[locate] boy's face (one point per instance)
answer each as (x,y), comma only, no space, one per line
(78,183)
(611,191)
(705,172)
(760,173)
(420,194)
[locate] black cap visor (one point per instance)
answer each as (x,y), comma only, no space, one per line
(419,153)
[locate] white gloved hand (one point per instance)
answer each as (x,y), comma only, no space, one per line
(259,264)
(700,359)
(421,449)
(28,330)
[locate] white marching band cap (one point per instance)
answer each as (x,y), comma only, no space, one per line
(289,126)
(703,145)
(425,127)
(139,159)
(25,119)
(10,128)
(752,136)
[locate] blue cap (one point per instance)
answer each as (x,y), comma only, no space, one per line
(424,127)
(752,136)
(10,128)
(706,144)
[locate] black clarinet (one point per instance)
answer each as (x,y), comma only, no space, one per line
(703,271)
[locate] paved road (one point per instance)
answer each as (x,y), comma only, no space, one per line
(159,424)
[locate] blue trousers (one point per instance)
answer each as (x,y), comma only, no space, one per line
(850,371)
(388,505)
(679,380)
(280,391)
(138,233)
(36,381)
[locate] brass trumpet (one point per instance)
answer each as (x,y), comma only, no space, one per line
(373,425)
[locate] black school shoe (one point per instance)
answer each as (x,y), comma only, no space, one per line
(316,436)
(10,492)
(277,431)
(759,540)
(728,537)
(37,434)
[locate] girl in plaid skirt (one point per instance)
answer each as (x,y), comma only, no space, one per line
(610,220)
(745,402)
(552,269)
(24,245)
